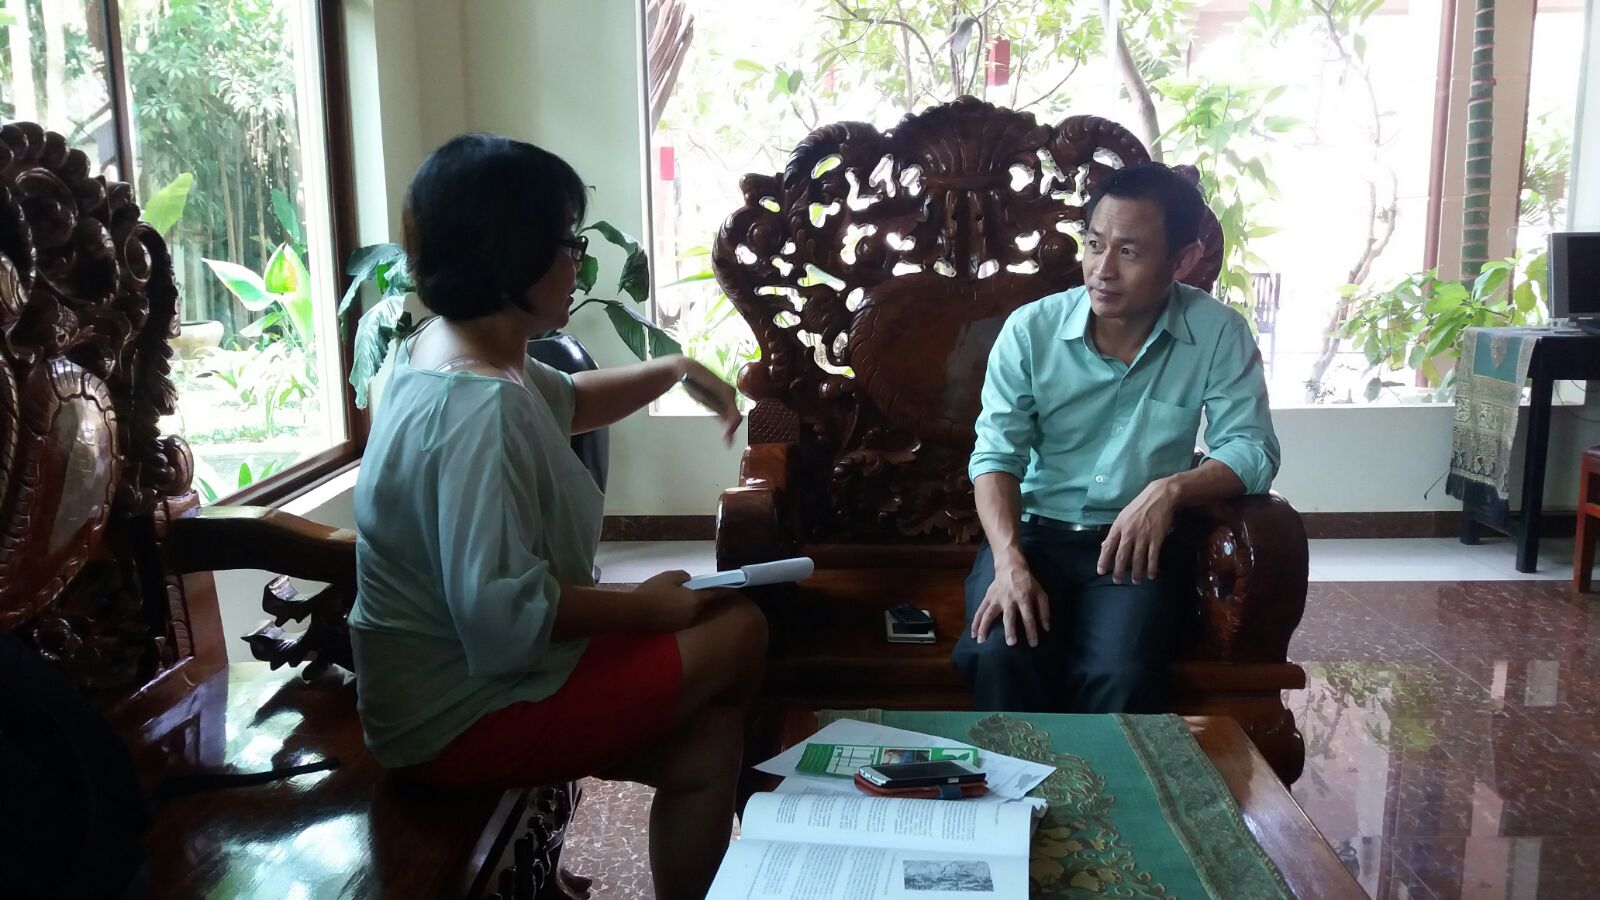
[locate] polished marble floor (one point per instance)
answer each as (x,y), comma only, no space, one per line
(1452,724)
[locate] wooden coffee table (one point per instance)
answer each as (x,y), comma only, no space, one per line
(1277,823)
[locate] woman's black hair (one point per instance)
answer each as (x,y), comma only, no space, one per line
(484,216)
(1180,202)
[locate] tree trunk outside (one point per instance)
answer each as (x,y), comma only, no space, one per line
(55,65)
(1480,144)
(24,95)
(1121,59)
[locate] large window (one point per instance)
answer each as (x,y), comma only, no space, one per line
(215,111)
(1315,124)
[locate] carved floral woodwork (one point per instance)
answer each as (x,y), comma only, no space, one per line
(87,308)
(876,271)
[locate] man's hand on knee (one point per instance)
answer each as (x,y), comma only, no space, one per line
(1017,602)
(1133,545)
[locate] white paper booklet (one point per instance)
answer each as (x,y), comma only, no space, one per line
(756,574)
(855,847)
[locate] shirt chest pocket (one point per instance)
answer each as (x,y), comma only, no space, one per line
(1166,435)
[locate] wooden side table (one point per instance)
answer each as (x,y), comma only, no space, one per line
(1559,355)
(1588,519)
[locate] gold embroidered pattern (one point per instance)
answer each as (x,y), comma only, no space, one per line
(1078,850)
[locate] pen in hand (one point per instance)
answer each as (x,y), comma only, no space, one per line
(723,403)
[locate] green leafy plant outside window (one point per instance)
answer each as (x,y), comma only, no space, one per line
(1417,322)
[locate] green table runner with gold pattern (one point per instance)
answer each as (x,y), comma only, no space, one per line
(1136,809)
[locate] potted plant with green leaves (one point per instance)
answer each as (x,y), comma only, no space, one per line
(1417,322)
(386,321)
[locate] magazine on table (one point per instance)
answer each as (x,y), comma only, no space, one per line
(855,846)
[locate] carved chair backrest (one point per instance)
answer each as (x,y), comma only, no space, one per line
(876,271)
(88,307)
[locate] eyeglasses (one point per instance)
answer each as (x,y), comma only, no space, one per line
(576,246)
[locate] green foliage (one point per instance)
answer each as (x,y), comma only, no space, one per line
(717,338)
(283,291)
(1417,322)
(213,486)
(384,267)
(1546,160)
(213,88)
(1221,132)
(271,377)
(165,206)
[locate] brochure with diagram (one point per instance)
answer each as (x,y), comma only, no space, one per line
(842,760)
(856,847)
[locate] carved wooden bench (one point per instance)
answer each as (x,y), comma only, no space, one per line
(105,562)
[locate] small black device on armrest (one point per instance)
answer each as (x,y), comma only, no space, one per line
(906,624)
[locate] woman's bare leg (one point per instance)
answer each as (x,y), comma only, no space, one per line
(695,770)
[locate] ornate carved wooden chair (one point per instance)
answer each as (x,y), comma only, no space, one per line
(105,562)
(876,271)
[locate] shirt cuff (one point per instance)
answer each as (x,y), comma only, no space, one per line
(1247,462)
(986,462)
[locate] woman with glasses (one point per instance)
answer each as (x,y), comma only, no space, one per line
(486,655)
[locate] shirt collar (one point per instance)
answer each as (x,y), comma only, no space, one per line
(1174,318)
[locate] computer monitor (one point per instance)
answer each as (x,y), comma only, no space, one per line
(1575,277)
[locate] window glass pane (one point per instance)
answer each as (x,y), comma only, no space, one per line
(1558,29)
(1312,126)
(53,72)
(227,110)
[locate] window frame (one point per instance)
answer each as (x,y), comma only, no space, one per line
(306,474)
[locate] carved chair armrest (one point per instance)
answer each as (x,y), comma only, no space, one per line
(1251,571)
(249,537)
(750,523)
(218,538)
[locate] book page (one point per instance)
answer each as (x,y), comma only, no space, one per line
(791,871)
(890,823)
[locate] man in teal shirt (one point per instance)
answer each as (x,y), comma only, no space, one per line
(1091,407)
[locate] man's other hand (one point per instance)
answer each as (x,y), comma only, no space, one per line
(1133,547)
(1017,601)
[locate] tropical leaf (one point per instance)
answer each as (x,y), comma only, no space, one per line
(166,205)
(630,327)
(283,210)
(379,326)
(635,280)
(285,273)
(243,284)
(639,333)
(615,236)
(588,271)
(362,265)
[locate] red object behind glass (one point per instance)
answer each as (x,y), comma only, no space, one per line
(999,62)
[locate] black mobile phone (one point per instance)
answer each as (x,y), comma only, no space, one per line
(912,618)
(920,774)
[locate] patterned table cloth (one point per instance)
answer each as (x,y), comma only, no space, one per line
(1136,808)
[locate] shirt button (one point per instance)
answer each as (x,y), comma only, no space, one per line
(1117,430)
(1099,479)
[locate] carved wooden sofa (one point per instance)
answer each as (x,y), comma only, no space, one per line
(105,562)
(876,271)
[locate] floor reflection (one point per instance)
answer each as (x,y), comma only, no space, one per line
(1452,733)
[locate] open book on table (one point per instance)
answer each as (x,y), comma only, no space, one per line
(854,846)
